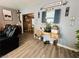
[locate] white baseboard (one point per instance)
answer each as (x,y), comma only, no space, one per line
(64,46)
(68,47)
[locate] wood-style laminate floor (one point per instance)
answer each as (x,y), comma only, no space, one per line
(34,48)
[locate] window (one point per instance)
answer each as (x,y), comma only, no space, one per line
(57,16)
(50,16)
(44,17)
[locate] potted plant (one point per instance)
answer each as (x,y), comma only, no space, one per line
(48,27)
(77,36)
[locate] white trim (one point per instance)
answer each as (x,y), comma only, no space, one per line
(21,19)
(68,47)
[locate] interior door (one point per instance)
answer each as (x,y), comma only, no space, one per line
(27,23)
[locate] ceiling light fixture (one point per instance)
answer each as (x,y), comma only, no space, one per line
(54,4)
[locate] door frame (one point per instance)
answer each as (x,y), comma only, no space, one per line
(23,18)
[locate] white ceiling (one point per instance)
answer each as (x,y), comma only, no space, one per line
(19,4)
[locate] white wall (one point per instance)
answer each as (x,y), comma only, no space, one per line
(67,30)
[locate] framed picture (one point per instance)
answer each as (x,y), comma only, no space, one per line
(7,14)
(67,11)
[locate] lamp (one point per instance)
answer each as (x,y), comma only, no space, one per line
(65,2)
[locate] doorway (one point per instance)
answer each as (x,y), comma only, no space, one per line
(27,22)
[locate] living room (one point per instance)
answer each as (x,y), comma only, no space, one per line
(41,13)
